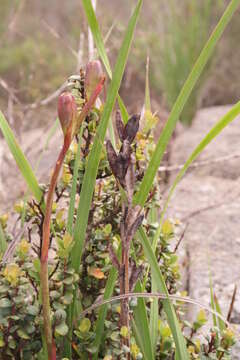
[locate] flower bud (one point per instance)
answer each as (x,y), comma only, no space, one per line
(119,125)
(131,128)
(67,111)
(93,76)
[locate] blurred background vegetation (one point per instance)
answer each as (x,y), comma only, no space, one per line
(41,44)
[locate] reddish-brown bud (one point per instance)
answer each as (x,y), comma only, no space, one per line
(67,111)
(131,129)
(93,76)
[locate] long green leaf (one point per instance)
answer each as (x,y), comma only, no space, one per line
(181,101)
(181,350)
(123,110)
(67,346)
(221,323)
(212,302)
(94,157)
(137,334)
(74,185)
(153,218)
(20,159)
(141,321)
(154,318)
(112,278)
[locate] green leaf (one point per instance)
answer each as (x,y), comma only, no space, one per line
(153,218)
(221,323)
(67,298)
(32,310)
(20,159)
(154,318)
(61,329)
(5,302)
(123,110)
(141,322)
(85,325)
(181,350)
(212,302)
(22,334)
(186,91)
(112,278)
(74,185)
(94,157)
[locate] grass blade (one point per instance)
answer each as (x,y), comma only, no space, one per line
(74,185)
(123,110)
(112,278)
(153,218)
(154,318)
(221,323)
(152,169)
(212,302)
(94,157)
(141,322)
(67,347)
(20,159)
(181,350)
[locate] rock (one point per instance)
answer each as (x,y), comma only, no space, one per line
(208,200)
(12,184)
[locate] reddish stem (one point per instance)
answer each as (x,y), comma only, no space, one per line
(44,254)
(46,225)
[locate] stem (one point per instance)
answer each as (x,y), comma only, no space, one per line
(126,291)
(124,278)
(44,252)
(46,225)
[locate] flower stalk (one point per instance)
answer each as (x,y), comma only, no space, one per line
(70,121)
(123,169)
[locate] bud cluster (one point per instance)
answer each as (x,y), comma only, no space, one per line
(81,88)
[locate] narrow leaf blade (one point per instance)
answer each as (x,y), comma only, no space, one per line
(181,350)
(191,81)
(94,157)
(141,321)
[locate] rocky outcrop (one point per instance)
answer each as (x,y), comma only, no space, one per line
(208,200)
